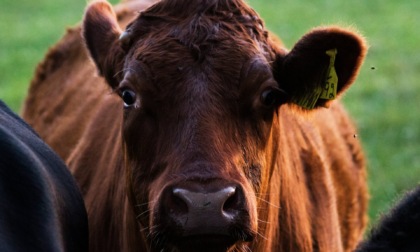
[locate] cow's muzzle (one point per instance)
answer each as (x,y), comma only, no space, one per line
(210,216)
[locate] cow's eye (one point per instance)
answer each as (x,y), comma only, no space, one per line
(129,97)
(272,97)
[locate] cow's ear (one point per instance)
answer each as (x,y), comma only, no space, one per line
(321,66)
(101,33)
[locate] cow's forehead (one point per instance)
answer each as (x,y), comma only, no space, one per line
(214,38)
(202,26)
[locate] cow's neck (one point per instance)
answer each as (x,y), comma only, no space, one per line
(292,188)
(98,169)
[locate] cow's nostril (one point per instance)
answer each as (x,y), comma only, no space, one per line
(231,204)
(173,203)
(177,204)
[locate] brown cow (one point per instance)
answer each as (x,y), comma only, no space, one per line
(207,148)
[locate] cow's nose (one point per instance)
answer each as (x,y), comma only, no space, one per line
(214,211)
(204,212)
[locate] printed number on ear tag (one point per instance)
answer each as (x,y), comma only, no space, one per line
(329,90)
(326,90)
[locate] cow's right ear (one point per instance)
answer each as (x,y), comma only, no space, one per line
(101,33)
(321,66)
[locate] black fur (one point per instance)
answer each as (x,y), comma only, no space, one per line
(41,208)
(399,230)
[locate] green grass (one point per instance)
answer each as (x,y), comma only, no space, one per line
(385,101)
(27,29)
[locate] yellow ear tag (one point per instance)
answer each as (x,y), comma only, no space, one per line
(329,91)
(309,100)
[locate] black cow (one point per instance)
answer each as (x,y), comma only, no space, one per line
(41,208)
(399,230)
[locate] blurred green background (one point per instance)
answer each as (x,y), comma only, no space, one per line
(385,101)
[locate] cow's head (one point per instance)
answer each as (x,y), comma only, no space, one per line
(201,84)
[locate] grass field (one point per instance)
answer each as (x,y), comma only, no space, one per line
(385,101)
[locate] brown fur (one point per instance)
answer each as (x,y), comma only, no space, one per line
(199,70)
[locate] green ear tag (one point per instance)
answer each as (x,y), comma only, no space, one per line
(329,91)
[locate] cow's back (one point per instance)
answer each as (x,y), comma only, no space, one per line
(64,85)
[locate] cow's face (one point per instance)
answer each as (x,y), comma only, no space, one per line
(201,85)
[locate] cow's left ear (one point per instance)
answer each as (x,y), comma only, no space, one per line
(321,66)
